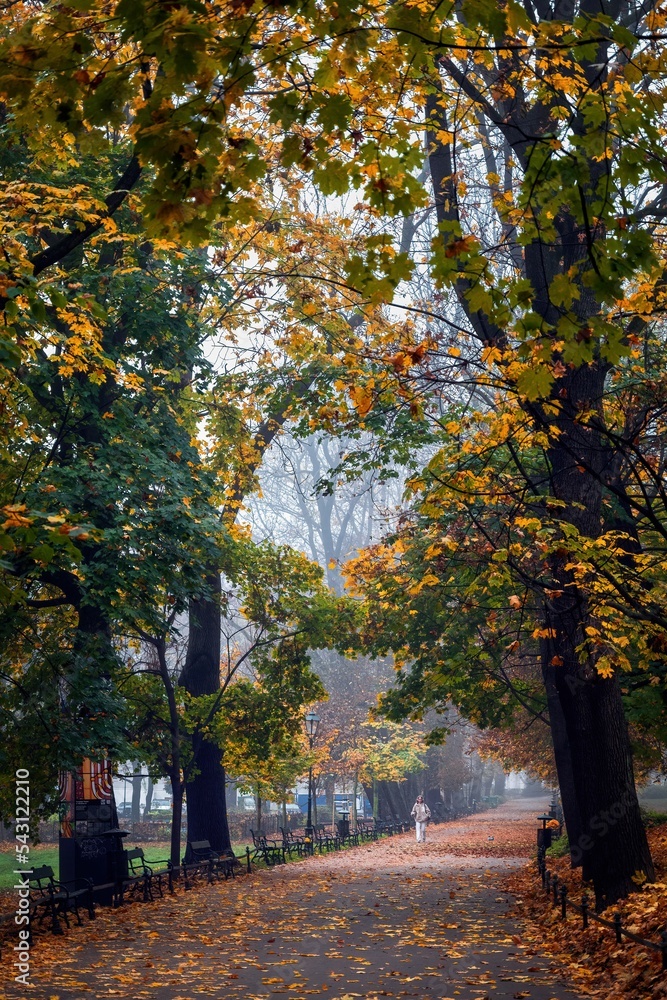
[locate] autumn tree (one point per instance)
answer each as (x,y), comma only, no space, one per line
(263,745)
(384,752)
(544,474)
(78,175)
(108,463)
(276,608)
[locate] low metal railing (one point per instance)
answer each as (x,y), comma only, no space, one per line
(556,890)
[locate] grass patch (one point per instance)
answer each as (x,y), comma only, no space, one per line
(47,854)
(652,817)
(559,848)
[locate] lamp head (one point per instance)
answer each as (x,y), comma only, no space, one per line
(312,722)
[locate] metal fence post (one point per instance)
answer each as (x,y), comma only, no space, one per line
(247,859)
(617,928)
(560,894)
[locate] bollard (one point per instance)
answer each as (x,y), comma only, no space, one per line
(247,859)
(563,901)
(584,910)
(555,885)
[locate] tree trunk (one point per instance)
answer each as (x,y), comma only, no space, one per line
(355,787)
(149,797)
(612,845)
(136,792)
(205,789)
(563,759)
(176,817)
(230,794)
(393,801)
(258,810)
(174,767)
(476,783)
(487,781)
(499,782)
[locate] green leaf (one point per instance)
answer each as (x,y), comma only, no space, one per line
(535,383)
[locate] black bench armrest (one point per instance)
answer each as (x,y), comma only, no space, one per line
(77,884)
(57,888)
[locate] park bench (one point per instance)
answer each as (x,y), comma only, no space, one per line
(269,851)
(293,844)
(326,840)
(54,899)
(366,830)
(224,863)
(346,835)
(353,838)
(137,880)
(200,859)
(141,876)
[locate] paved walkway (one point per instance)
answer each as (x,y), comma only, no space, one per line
(390,919)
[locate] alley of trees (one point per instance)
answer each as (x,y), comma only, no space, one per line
(333,374)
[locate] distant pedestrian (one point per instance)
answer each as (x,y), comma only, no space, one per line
(422,815)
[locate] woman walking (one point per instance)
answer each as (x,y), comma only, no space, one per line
(422,815)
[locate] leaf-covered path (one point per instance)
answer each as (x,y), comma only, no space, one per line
(391,919)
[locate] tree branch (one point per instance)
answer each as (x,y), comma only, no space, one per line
(67,244)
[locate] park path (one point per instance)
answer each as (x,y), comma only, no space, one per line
(387,919)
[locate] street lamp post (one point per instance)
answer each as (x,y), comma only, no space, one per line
(312,721)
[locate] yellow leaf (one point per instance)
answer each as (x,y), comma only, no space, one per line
(362,398)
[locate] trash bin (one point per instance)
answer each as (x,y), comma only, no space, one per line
(544,838)
(344,825)
(544,834)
